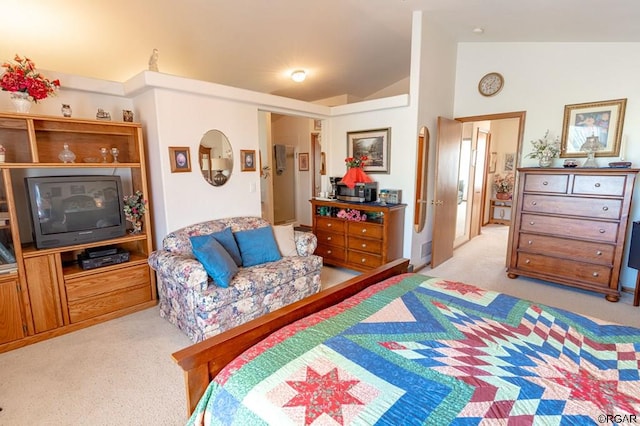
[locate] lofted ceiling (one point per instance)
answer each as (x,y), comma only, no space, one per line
(347,47)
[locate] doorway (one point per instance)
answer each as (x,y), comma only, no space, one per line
(500,137)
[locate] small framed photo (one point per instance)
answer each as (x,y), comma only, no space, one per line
(180,159)
(601,119)
(303,161)
(509,161)
(493,161)
(373,144)
(248,158)
(317,125)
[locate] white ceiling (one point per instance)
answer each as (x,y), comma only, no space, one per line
(348,47)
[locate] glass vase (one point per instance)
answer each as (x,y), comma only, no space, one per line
(545,161)
(21,101)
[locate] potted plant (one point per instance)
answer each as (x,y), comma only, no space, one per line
(503,185)
(545,149)
(25,83)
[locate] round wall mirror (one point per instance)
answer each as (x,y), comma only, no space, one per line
(215,157)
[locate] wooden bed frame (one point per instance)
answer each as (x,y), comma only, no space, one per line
(202,361)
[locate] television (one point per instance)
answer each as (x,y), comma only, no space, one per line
(68,210)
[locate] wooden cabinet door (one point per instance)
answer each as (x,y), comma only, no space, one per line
(11,325)
(42,282)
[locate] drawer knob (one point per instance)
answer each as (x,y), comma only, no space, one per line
(363,245)
(595,274)
(602,231)
(328,238)
(363,260)
(532,223)
(527,261)
(534,203)
(364,230)
(598,253)
(605,208)
(529,242)
(329,225)
(328,251)
(597,185)
(545,183)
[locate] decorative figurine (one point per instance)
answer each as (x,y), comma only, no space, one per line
(3,151)
(66,155)
(127,115)
(103,115)
(153,61)
(66,110)
(104,152)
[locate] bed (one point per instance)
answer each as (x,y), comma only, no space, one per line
(390,347)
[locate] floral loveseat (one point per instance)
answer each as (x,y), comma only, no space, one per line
(192,301)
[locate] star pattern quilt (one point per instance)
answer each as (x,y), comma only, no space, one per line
(419,350)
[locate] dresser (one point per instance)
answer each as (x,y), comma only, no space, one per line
(358,245)
(570,226)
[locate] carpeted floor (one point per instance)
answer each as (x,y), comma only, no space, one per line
(121,372)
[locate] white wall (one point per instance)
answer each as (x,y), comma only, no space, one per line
(541,78)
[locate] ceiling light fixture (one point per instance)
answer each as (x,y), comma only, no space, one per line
(298,76)
(478,30)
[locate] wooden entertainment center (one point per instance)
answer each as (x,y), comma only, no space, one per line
(46,293)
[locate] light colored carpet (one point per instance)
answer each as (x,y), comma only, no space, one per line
(121,372)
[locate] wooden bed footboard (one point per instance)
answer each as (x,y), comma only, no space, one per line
(202,361)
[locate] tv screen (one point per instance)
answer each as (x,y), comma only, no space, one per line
(69,210)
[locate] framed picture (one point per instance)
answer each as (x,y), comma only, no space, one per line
(303,161)
(248,159)
(601,119)
(493,161)
(317,124)
(374,144)
(509,161)
(180,159)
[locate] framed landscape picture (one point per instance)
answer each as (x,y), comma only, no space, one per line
(373,144)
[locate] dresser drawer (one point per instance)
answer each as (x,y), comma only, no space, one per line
(331,238)
(365,229)
(601,208)
(363,260)
(106,282)
(565,227)
(365,244)
(578,250)
(599,185)
(329,253)
(565,268)
(558,184)
(329,224)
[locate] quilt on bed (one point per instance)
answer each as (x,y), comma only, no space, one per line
(421,350)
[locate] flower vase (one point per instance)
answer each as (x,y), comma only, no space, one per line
(21,101)
(137,227)
(355,175)
(545,161)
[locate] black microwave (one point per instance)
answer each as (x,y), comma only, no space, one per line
(361,193)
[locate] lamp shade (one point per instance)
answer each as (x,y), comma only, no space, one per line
(218,164)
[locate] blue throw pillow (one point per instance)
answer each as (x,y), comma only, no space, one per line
(229,243)
(257,246)
(215,259)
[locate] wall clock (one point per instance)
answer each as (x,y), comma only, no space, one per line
(491,84)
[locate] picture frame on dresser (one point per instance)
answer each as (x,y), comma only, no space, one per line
(373,144)
(603,119)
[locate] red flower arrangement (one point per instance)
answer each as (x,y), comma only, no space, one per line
(355,162)
(22,76)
